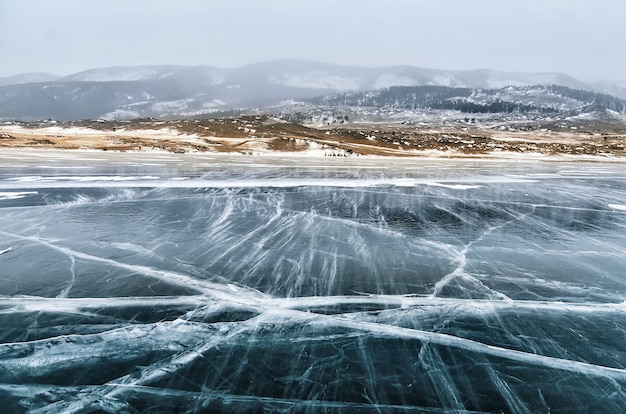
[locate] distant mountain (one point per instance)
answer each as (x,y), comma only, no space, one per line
(203,74)
(28,78)
(181,91)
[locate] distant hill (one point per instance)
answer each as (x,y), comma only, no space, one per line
(28,78)
(181,91)
(545,99)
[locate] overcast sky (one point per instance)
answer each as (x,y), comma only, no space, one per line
(583,38)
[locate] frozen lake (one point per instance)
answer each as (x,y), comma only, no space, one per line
(169,283)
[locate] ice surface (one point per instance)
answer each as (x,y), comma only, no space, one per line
(241,284)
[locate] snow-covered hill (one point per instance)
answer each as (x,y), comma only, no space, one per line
(28,78)
(179,91)
(144,73)
(537,99)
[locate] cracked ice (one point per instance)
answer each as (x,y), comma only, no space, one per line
(219,284)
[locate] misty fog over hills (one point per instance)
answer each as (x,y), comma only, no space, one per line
(185,91)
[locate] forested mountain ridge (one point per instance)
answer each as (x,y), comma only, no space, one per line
(536,98)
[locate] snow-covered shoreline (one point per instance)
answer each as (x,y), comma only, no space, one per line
(317,155)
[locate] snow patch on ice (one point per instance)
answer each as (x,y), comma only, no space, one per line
(455,186)
(16,195)
(28,179)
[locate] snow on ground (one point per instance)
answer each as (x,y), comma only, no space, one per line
(89,132)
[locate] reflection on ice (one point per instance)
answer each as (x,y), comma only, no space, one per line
(234,287)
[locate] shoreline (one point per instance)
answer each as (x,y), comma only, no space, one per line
(266,137)
(86,154)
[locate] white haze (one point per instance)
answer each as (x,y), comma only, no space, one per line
(583,38)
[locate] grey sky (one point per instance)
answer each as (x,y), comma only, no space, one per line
(583,38)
